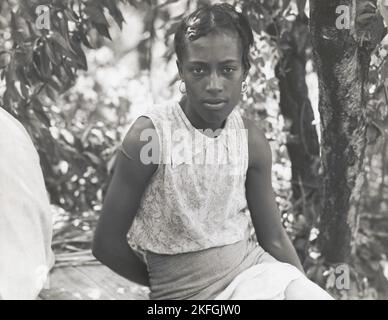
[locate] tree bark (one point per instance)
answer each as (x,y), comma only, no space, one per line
(342,61)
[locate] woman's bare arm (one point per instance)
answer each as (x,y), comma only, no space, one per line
(261,200)
(121,203)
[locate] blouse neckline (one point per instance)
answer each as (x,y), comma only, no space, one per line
(192,128)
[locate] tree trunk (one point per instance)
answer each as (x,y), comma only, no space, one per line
(302,145)
(342,61)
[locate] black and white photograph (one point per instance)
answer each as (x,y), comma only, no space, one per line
(193,150)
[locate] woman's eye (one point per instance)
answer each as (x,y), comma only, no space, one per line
(228,69)
(197,70)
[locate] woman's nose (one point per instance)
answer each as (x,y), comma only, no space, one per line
(214,84)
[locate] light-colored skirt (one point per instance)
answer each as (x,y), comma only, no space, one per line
(242,270)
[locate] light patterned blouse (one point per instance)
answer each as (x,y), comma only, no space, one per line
(196,198)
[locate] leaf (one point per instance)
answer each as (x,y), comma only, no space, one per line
(63,28)
(68,53)
(51,93)
(102,30)
(67,135)
(82,62)
(14,93)
(85,134)
(83,37)
(68,71)
(330,282)
(16,28)
(134,3)
(53,83)
(96,14)
(96,160)
(44,64)
(48,47)
(111,163)
(114,12)
(165,3)
(20,73)
(365,6)
(57,37)
(57,72)
(24,90)
(71,15)
(11,72)
(34,74)
(39,112)
(31,31)
(364,17)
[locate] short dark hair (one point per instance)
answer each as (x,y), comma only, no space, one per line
(217,17)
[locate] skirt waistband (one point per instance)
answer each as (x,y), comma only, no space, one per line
(200,274)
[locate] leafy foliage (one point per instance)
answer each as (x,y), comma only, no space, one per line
(38,65)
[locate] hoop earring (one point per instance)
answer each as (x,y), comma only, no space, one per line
(244,87)
(182,87)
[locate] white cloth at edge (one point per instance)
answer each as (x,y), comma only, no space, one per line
(264,281)
(25,215)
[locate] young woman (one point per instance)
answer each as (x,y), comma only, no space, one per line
(188,235)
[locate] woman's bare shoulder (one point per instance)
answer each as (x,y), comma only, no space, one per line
(260,153)
(138,136)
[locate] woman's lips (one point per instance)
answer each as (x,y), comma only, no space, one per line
(215,104)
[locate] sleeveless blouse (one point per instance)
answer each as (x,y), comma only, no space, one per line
(196,198)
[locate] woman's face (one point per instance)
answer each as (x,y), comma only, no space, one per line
(213,72)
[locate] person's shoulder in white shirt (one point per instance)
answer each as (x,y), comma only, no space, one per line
(25,215)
